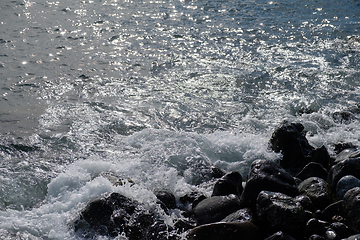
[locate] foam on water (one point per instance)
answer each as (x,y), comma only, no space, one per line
(162,159)
(152,159)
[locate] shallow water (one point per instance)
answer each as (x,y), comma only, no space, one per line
(157,91)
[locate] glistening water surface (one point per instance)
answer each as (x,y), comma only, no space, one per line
(157,91)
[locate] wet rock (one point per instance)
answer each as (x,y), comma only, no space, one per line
(215,208)
(351,207)
(241,215)
(347,154)
(333,211)
(167,199)
(112,214)
(353,237)
(339,147)
(280,212)
(290,140)
(341,230)
(231,183)
(313,169)
(217,172)
(192,199)
(316,237)
(309,215)
(228,231)
(315,227)
(321,156)
(349,166)
(280,236)
(318,190)
(98,213)
(344,184)
(305,202)
(267,175)
(330,234)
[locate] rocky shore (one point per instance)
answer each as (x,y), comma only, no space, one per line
(305,195)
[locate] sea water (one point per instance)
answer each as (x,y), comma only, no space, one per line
(157,91)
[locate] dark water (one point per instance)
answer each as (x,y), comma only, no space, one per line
(158,91)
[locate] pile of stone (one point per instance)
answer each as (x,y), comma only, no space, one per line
(307,195)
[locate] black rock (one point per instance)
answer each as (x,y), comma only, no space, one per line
(353,237)
(215,208)
(330,234)
(351,207)
(306,202)
(315,227)
(98,212)
(316,237)
(342,231)
(113,214)
(333,211)
(318,190)
(347,154)
(217,172)
(267,175)
(241,215)
(344,184)
(321,156)
(167,199)
(339,147)
(192,199)
(290,140)
(228,231)
(280,212)
(280,236)
(349,166)
(231,183)
(309,215)
(313,169)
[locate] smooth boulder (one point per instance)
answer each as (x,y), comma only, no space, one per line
(228,231)
(315,227)
(215,208)
(333,212)
(351,207)
(312,169)
(166,199)
(231,183)
(279,212)
(349,166)
(345,184)
(241,215)
(353,237)
(270,176)
(318,190)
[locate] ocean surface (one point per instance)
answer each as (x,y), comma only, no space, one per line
(157,91)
